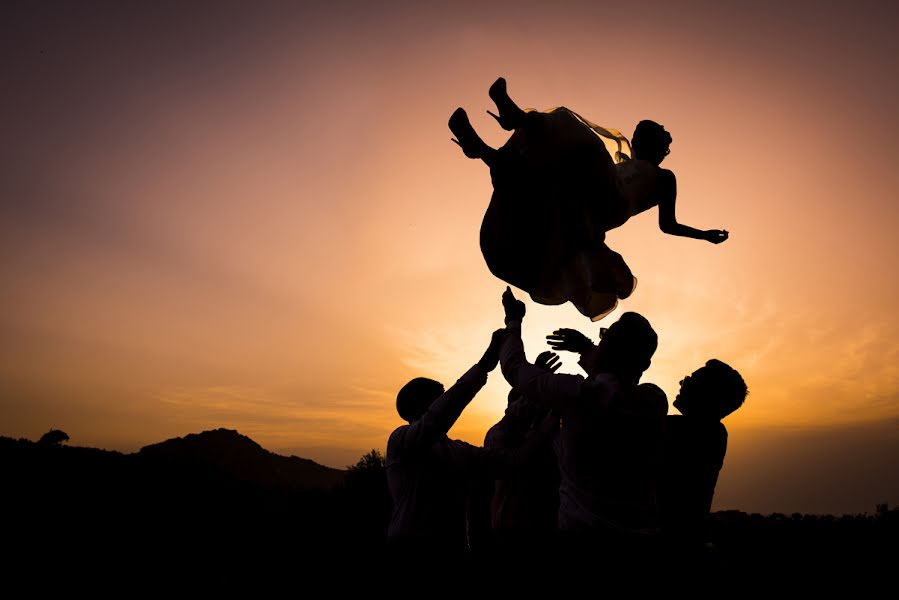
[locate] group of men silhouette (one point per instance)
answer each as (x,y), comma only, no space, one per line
(581,465)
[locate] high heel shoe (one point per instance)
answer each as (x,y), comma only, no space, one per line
(466,137)
(510,116)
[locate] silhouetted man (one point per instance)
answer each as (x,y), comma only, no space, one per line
(525,505)
(428,473)
(695,447)
(611,428)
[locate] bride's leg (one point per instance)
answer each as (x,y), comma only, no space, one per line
(468,139)
(510,114)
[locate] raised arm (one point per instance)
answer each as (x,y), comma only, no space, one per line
(551,390)
(667,216)
(447,408)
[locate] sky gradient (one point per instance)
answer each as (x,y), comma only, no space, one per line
(222,216)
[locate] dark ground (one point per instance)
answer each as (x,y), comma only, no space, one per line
(215,509)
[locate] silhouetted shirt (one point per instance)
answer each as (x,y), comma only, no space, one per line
(527,500)
(428,473)
(694,454)
(608,445)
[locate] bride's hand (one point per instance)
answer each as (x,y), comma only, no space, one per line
(716,236)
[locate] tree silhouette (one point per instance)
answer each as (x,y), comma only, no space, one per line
(371,460)
(54,437)
(366,502)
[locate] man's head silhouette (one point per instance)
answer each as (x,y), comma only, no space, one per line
(711,392)
(415,397)
(626,347)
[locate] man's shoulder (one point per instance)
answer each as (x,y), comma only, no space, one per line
(695,424)
(696,432)
(458,444)
(495,434)
(601,391)
(399,429)
(396,436)
(652,400)
(602,383)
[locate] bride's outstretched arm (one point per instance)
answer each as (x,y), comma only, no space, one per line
(667,214)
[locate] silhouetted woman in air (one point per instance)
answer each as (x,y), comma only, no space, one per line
(558,190)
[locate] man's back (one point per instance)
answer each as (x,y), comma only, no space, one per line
(429,488)
(609,458)
(527,501)
(428,474)
(425,471)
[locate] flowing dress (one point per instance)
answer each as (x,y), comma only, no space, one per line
(556,192)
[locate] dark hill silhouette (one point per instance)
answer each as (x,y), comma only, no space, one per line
(236,456)
(216,506)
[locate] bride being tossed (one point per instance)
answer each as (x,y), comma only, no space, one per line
(557,190)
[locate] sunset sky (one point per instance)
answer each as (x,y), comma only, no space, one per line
(250,215)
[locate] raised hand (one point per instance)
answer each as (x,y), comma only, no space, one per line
(570,340)
(490,359)
(548,361)
(513,307)
(716,236)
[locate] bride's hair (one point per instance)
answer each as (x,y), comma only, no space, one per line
(650,139)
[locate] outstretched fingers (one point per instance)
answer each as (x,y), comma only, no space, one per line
(548,361)
(570,340)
